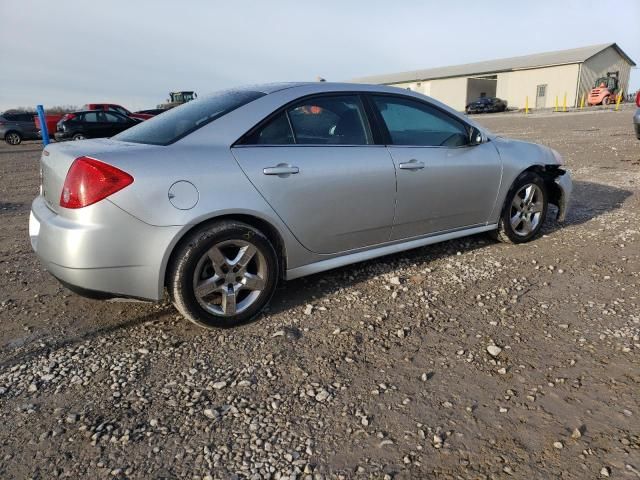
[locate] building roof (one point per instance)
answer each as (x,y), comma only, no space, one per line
(546,59)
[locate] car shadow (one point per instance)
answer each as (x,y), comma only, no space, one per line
(589,200)
(48,348)
(20,150)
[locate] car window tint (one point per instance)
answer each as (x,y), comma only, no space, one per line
(91,117)
(120,110)
(180,121)
(111,117)
(338,120)
(410,122)
(275,132)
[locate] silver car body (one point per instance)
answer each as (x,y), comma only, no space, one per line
(346,204)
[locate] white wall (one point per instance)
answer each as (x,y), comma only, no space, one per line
(451,91)
(516,86)
(608,60)
(420,87)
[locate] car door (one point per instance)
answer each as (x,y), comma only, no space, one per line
(89,124)
(316,165)
(28,125)
(444,183)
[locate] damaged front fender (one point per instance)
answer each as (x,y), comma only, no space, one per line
(564,187)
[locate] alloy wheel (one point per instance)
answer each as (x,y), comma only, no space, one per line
(526,209)
(13,138)
(230,277)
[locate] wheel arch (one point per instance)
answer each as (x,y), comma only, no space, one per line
(13,130)
(549,173)
(265,226)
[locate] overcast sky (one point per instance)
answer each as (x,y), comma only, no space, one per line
(135,52)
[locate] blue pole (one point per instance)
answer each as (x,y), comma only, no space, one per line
(43,125)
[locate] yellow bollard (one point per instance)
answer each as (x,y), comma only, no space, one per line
(556,109)
(618,100)
(582,102)
(526,105)
(564,102)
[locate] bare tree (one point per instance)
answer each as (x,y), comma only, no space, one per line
(53,110)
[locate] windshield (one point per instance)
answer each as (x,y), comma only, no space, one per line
(180,121)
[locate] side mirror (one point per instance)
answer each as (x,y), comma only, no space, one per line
(475,136)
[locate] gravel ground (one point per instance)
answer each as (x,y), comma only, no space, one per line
(468,359)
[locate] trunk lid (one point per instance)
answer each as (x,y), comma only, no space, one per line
(56,159)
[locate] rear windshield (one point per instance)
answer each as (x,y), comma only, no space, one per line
(180,121)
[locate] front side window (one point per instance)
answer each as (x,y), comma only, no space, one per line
(410,122)
(180,121)
(322,120)
(114,118)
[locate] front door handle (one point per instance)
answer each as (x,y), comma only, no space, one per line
(412,165)
(281,169)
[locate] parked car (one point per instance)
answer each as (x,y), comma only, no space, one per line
(17,126)
(113,107)
(636,117)
(92,124)
(486,105)
(220,198)
(152,111)
(51,120)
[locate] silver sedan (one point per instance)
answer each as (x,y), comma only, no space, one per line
(217,200)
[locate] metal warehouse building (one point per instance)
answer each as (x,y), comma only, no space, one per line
(540,77)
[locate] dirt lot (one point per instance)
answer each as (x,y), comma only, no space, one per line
(376,370)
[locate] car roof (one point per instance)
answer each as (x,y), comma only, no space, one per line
(94,111)
(320,87)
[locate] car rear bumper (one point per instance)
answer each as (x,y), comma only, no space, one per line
(62,136)
(112,254)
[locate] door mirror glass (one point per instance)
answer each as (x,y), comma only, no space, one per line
(475,136)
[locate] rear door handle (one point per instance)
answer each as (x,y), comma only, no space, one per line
(412,165)
(281,169)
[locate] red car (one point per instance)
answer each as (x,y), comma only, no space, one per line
(117,108)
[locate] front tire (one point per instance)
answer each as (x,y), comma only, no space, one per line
(78,136)
(13,138)
(606,101)
(524,211)
(223,275)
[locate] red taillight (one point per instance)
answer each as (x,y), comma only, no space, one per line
(89,181)
(68,116)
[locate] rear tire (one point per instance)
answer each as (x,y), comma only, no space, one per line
(524,210)
(223,275)
(13,138)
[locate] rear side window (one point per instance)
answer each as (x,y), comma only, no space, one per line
(179,122)
(322,120)
(276,132)
(91,117)
(410,122)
